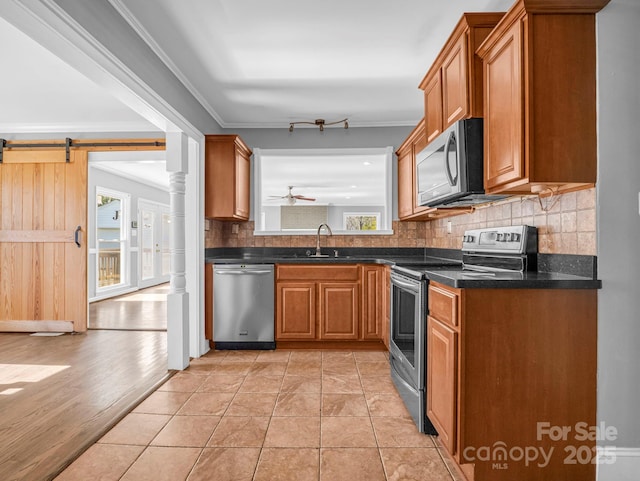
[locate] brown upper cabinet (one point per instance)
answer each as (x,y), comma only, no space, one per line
(227,175)
(406,171)
(540,97)
(453,84)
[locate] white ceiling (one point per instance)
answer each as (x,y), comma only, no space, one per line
(257,63)
(251,63)
(146,167)
(41,93)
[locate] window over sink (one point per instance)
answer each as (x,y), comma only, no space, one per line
(296,190)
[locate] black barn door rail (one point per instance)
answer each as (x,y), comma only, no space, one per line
(68,143)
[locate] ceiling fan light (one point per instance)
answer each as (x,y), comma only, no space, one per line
(346,124)
(291,127)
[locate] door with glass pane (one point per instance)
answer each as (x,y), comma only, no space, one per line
(111,239)
(154,243)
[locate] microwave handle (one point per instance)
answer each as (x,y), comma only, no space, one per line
(447,169)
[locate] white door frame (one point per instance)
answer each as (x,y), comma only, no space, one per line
(125,253)
(49,24)
(158,209)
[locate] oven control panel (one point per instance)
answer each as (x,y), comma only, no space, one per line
(514,239)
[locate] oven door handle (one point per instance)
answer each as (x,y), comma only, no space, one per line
(407,285)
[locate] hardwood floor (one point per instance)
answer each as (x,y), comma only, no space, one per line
(58,395)
(143,310)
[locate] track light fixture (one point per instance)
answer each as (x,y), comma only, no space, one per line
(320,123)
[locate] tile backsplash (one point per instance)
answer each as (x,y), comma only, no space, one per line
(566,225)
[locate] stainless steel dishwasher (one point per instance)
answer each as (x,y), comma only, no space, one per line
(243,306)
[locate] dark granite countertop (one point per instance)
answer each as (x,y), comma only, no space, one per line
(510,280)
(346,255)
(556,271)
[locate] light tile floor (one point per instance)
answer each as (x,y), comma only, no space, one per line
(270,415)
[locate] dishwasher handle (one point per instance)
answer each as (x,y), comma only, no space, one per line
(240,273)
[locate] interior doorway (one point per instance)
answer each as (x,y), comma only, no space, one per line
(143,310)
(130,251)
(154,225)
(112,210)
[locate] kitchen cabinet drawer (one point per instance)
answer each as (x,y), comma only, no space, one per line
(443,305)
(317,273)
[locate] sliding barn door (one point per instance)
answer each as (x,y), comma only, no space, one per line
(43,212)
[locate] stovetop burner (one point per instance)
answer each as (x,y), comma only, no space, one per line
(416,271)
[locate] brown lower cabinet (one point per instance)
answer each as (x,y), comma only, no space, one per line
(506,370)
(330,303)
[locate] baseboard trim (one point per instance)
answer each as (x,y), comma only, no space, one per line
(372,345)
(617,463)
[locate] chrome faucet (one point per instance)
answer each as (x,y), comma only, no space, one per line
(318,237)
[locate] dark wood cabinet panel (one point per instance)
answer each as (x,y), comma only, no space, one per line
(504,360)
(443,305)
(296,310)
(504,111)
(407,189)
(330,304)
(372,302)
(442,380)
(386,307)
(243,179)
(454,83)
(405,183)
(433,107)
(227,178)
(339,310)
(540,98)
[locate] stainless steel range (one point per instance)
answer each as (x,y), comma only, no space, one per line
(408,336)
(487,252)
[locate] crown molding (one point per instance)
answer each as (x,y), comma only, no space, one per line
(50,25)
(282,125)
(144,34)
(31,128)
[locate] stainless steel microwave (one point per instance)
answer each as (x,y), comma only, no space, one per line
(449,171)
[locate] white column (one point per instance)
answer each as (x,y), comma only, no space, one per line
(178,298)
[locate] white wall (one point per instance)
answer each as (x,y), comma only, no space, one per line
(137,191)
(619,232)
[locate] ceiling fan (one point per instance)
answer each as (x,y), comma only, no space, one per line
(290,198)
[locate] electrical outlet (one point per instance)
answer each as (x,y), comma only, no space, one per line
(448,227)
